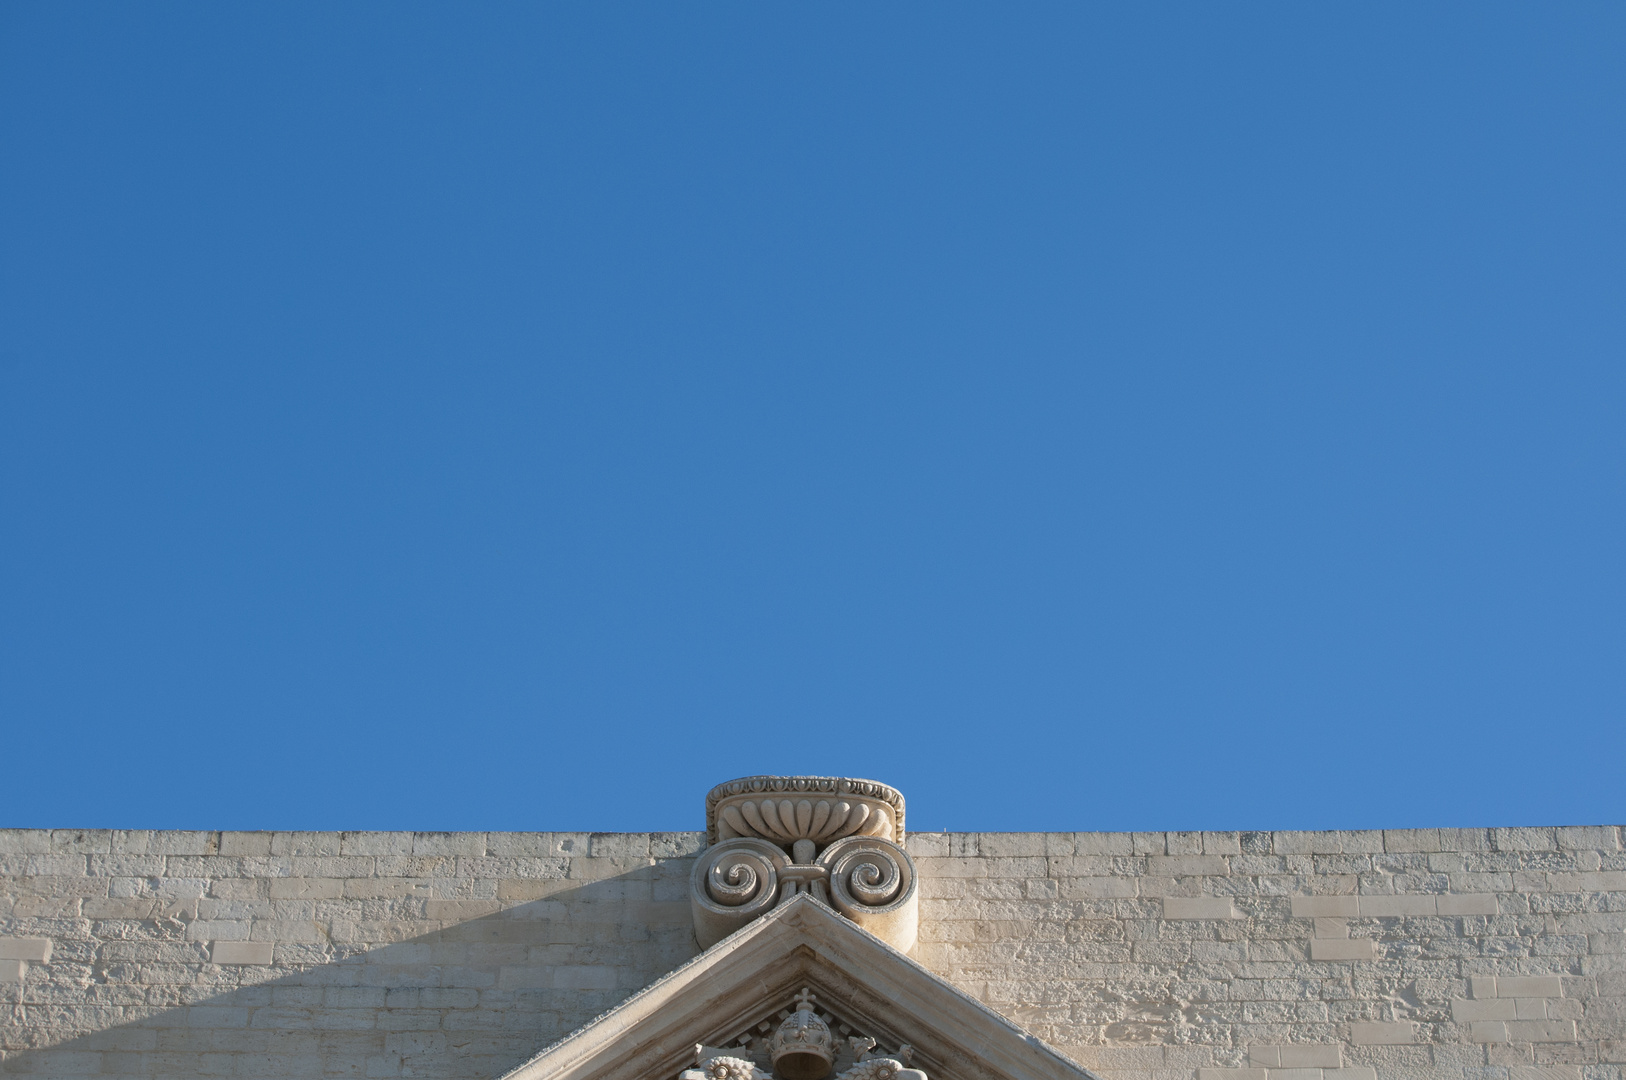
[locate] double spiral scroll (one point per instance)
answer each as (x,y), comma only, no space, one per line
(837,839)
(733,883)
(872,882)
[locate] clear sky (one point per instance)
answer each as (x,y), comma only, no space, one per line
(1128,416)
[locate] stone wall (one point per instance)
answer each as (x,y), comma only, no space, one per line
(1486,954)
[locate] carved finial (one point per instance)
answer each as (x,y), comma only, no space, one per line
(836,839)
(804,1000)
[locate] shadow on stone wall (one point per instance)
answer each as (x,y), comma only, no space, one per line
(472,998)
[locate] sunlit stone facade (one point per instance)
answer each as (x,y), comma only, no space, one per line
(1476,953)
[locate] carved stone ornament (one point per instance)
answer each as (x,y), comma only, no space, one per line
(717,1016)
(802,1047)
(723,1067)
(817,808)
(775,837)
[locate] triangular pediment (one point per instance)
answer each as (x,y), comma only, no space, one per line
(741,982)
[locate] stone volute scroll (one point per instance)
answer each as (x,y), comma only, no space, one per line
(775,837)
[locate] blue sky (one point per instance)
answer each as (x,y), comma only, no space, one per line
(1080,416)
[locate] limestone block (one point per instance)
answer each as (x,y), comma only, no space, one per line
(927,845)
(306,888)
(1309,907)
(1395,906)
(82,841)
(1095,843)
(676,845)
(1183,843)
(240,952)
(1603,838)
(12,971)
(1199,907)
(1466,1012)
(1382,1034)
(1311,1056)
(1409,840)
(24,841)
(305,843)
(1524,839)
(1343,949)
(245,843)
(1011,845)
(36,949)
(618,845)
(375,843)
(460,910)
(1466,904)
(1296,1056)
(216,1016)
(1529,986)
(447,843)
(584,978)
(1187,865)
(1541,1030)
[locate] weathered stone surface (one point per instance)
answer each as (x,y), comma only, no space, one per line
(1478,954)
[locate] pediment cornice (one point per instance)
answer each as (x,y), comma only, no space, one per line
(741,981)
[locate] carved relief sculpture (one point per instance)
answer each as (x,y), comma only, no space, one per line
(802,1047)
(807,880)
(773,837)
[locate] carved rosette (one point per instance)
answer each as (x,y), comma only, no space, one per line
(774,837)
(722,1067)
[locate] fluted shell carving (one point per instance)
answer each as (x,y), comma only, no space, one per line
(872,882)
(789,820)
(785,809)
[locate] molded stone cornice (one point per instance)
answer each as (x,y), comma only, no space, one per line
(801,943)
